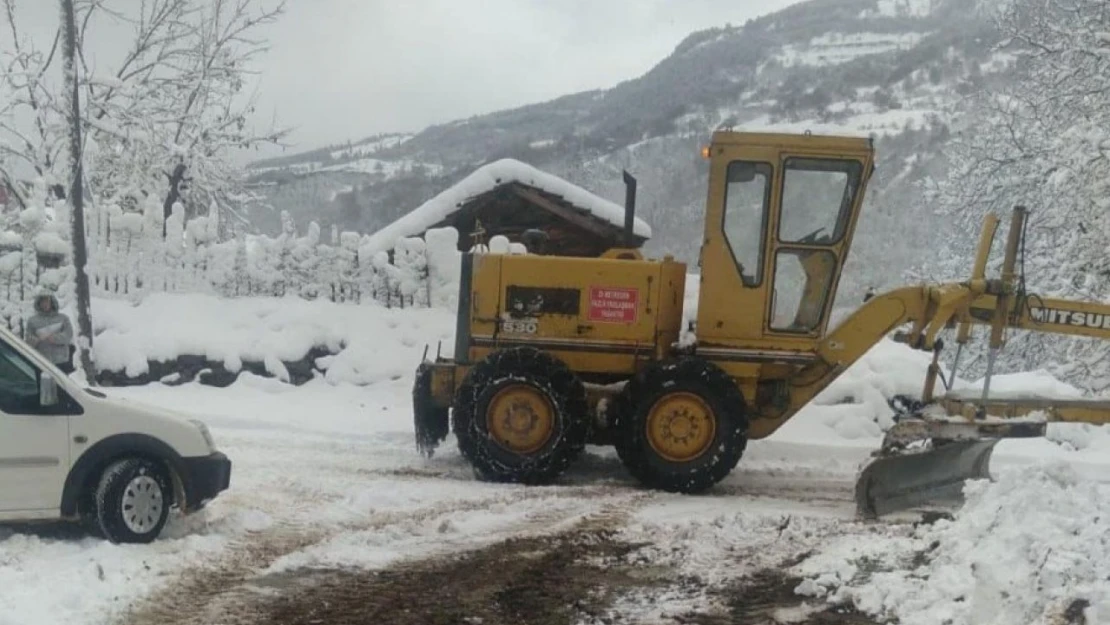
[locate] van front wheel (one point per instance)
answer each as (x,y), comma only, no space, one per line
(133,500)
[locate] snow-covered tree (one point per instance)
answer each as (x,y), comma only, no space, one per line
(162,123)
(305,261)
(1044,142)
(411,260)
(346,274)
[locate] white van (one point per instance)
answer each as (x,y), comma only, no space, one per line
(72,453)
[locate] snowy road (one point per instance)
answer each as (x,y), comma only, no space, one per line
(345,489)
(333,517)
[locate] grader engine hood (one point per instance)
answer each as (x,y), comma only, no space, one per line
(590,312)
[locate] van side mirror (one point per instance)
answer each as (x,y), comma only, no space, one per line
(48,390)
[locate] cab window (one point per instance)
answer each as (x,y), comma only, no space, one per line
(817,198)
(747,197)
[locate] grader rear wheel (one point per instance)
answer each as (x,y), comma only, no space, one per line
(521,416)
(681,426)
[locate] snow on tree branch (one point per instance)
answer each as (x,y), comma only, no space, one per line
(164,122)
(1044,141)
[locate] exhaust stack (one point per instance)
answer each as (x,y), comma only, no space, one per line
(629,208)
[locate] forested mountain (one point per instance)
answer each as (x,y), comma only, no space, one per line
(974,106)
(888,67)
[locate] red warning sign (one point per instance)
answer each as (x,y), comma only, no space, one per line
(614,304)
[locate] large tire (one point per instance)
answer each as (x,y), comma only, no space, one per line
(681,425)
(506,389)
(430,422)
(133,500)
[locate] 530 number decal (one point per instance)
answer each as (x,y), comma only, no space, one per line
(520,326)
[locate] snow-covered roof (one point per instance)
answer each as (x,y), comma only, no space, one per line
(486,178)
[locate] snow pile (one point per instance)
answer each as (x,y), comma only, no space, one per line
(488,177)
(372,342)
(855,406)
(1028,384)
(1027,549)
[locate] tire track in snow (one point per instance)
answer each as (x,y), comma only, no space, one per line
(809,490)
(552,578)
(224,589)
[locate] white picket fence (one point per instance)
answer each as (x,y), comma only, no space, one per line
(129,257)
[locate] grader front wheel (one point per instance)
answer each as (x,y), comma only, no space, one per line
(521,416)
(681,426)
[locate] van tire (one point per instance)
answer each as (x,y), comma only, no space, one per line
(133,499)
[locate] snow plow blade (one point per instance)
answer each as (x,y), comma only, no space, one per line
(958,451)
(922,479)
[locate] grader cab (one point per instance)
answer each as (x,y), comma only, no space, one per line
(553,353)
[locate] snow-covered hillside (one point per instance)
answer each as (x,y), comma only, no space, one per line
(892,68)
(902,8)
(836,48)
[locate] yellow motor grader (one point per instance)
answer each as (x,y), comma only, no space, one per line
(553,353)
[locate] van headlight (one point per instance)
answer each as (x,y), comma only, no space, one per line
(206,434)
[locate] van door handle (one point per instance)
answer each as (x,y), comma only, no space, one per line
(80,439)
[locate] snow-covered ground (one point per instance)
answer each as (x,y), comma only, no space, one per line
(326,476)
(268,330)
(836,48)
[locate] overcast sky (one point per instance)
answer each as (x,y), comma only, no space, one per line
(345,69)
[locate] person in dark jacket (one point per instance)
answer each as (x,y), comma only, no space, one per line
(50,332)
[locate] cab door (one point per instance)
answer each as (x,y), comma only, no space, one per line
(34,441)
(819,202)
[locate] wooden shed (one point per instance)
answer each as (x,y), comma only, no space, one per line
(508,198)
